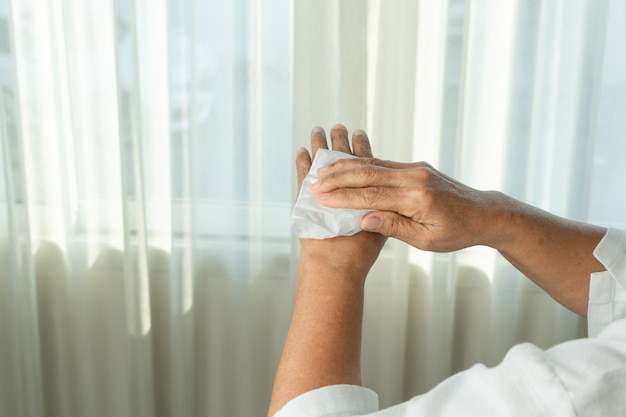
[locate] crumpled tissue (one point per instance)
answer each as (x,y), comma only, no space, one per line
(310,219)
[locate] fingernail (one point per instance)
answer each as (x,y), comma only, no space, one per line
(360,133)
(322,170)
(315,185)
(301,151)
(318,131)
(324,196)
(371,223)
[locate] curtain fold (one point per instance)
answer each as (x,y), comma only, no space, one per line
(146,184)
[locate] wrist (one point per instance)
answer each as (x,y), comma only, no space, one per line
(515,222)
(336,259)
(501,220)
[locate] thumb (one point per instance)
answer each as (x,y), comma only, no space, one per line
(389,224)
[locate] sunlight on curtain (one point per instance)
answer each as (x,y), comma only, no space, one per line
(146,183)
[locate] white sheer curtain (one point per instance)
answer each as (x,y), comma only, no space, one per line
(146,155)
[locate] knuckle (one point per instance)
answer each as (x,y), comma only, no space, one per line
(338,165)
(399,228)
(375,162)
(423,164)
(372,196)
(368,174)
(423,173)
(394,228)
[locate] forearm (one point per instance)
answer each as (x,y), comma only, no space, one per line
(323,345)
(555,253)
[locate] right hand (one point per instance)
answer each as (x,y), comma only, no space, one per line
(431,211)
(414,202)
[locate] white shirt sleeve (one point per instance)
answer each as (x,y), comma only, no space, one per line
(585,377)
(607,290)
(334,400)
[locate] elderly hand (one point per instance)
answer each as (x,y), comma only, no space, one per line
(356,253)
(415,203)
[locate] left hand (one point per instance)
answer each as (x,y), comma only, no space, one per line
(355,253)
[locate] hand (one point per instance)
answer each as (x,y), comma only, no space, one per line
(416,203)
(323,345)
(357,252)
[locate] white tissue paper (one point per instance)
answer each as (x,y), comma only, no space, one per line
(310,219)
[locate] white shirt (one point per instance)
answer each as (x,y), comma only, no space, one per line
(579,378)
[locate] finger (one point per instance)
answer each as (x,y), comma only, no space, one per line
(399,200)
(361,144)
(347,164)
(365,176)
(318,140)
(339,139)
(303,165)
(392,224)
